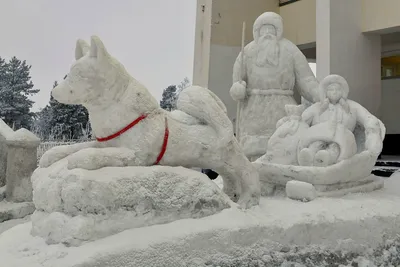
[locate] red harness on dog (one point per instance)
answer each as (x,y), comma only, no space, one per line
(133,123)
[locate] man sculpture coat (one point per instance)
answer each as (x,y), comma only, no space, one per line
(272,68)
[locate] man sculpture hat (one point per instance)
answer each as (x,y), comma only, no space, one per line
(273,67)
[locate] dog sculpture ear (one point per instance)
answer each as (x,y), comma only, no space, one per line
(97,48)
(81,49)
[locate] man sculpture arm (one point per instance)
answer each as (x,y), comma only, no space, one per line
(238,89)
(306,83)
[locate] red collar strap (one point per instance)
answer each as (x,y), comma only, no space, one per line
(165,143)
(120,132)
(133,123)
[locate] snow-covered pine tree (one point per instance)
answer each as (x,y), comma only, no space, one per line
(168,101)
(2,82)
(41,123)
(185,83)
(15,87)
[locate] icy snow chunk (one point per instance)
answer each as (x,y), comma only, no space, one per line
(300,191)
(80,205)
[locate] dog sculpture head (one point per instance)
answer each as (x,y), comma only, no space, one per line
(94,78)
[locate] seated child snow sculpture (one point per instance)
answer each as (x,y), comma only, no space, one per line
(330,138)
(282,146)
(332,144)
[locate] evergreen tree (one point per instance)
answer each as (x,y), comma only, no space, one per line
(3,72)
(41,125)
(168,101)
(171,94)
(185,83)
(15,87)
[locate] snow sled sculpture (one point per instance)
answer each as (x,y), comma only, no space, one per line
(327,149)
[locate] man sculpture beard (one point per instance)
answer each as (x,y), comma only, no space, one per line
(267,50)
(273,67)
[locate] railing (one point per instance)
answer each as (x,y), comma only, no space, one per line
(286,2)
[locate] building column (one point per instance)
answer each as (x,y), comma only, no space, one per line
(218,42)
(343,49)
(202,43)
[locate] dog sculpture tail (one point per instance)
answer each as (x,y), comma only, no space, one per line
(204,105)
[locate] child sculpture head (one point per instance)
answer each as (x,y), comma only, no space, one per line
(334,88)
(334,93)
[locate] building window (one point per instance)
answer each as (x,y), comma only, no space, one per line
(390,67)
(285,2)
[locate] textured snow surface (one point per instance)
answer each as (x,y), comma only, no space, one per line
(5,130)
(15,210)
(4,226)
(200,132)
(258,255)
(23,135)
(79,205)
(300,190)
(271,68)
(360,228)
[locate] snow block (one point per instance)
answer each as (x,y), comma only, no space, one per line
(2,193)
(302,191)
(12,210)
(78,205)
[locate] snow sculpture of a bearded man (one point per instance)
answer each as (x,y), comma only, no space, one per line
(273,67)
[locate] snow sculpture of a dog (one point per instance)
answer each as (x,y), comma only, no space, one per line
(132,129)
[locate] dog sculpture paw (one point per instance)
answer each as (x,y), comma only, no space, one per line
(53,155)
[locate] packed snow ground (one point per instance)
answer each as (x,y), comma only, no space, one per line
(4,226)
(277,233)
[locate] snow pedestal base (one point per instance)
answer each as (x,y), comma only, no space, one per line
(13,210)
(348,176)
(306,192)
(77,205)
(2,193)
(327,230)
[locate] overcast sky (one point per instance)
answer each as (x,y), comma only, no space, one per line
(154,39)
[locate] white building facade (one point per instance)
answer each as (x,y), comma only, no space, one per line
(357,39)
